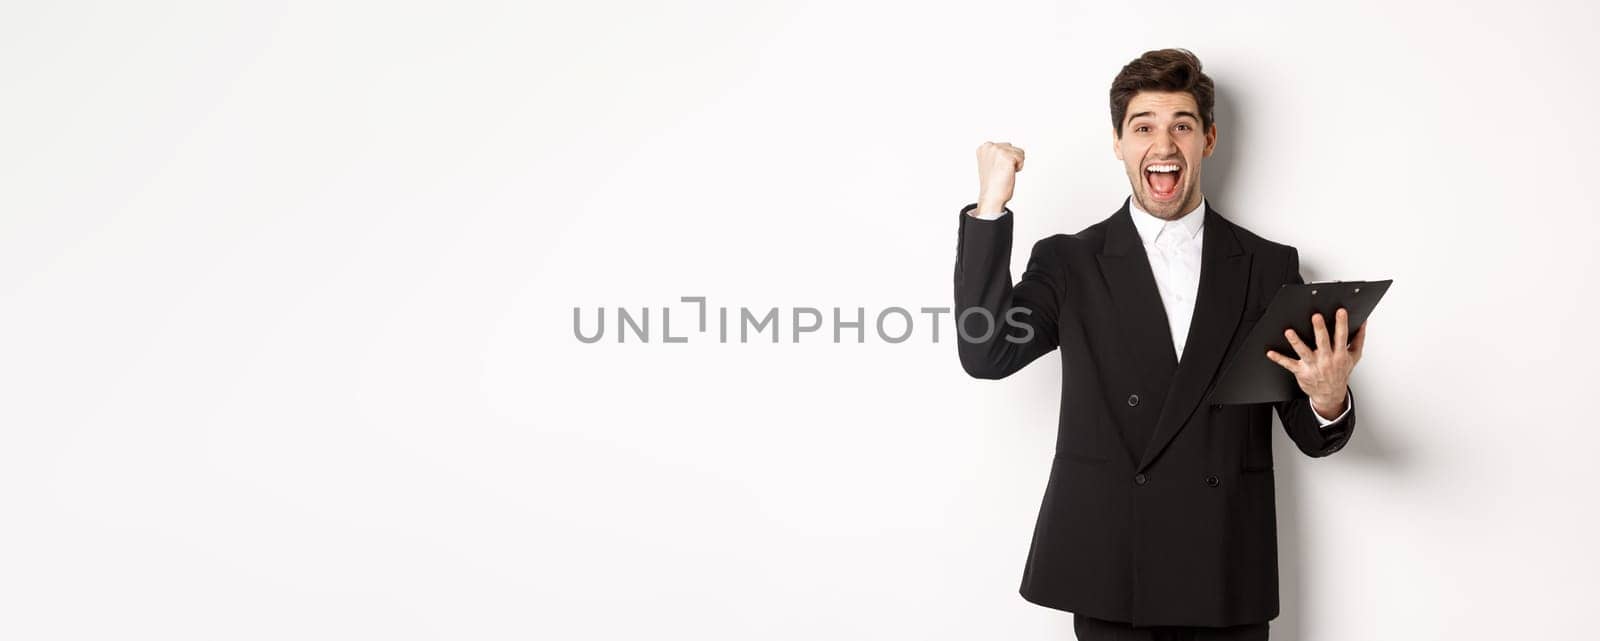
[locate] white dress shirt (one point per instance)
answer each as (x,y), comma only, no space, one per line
(1173,248)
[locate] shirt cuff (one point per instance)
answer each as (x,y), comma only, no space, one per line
(1349,403)
(1003,211)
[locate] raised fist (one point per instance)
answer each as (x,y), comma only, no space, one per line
(998,164)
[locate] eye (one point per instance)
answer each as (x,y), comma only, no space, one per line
(1142,128)
(1183,127)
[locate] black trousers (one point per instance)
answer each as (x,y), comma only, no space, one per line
(1092,629)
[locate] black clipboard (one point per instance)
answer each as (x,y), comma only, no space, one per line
(1250,377)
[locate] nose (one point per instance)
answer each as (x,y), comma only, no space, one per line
(1164,145)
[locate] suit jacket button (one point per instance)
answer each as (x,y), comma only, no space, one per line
(1217,406)
(1211,481)
(1140,479)
(1133,399)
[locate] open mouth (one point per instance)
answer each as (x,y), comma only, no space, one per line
(1163,179)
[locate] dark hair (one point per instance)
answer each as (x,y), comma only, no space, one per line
(1163,70)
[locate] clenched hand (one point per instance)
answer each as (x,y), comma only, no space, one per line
(998,164)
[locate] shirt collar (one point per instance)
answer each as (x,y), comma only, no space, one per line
(1150,226)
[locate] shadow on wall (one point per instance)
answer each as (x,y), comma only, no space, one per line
(1219,168)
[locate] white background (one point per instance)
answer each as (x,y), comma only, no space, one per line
(287,348)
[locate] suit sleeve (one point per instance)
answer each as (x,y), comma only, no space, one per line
(1002,327)
(1299,420)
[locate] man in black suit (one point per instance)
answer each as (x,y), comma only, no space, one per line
(1158,520)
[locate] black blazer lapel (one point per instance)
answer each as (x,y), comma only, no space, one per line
(1142,319)
(1224,275)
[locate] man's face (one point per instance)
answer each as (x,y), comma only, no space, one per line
(1162,146)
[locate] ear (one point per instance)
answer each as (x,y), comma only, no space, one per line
(1211,140)
(1116,143)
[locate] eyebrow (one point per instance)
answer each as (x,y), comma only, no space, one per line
(1152,113)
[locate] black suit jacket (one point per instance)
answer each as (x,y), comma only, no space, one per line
(1158,511)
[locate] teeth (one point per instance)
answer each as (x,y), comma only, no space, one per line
(1162,168)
